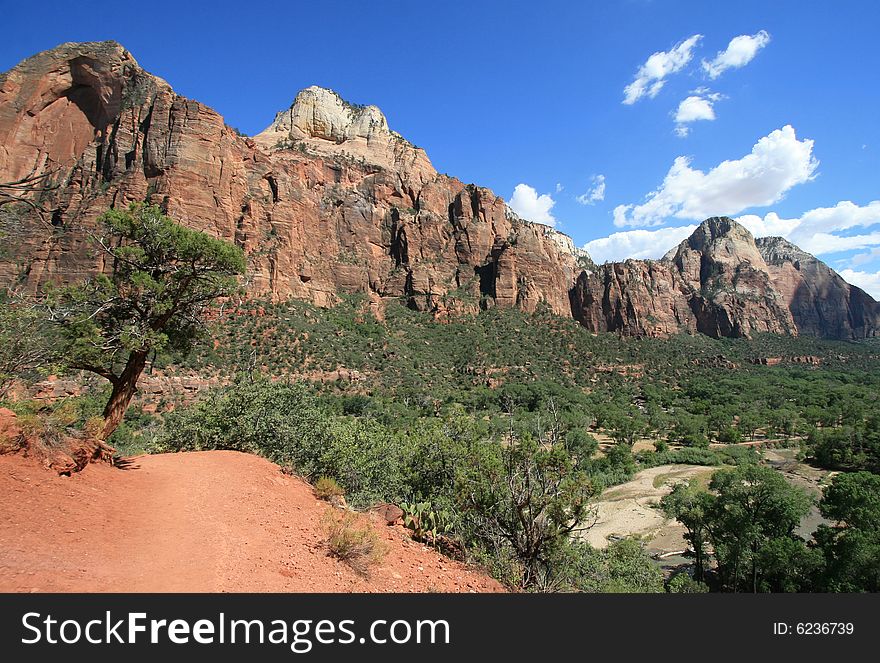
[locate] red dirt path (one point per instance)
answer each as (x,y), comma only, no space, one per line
(216,521)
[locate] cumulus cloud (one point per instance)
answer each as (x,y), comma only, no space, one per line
(595,193)
(526,202)
(776,163)
(559,187)
(640,244)
(867,281)
(651,76)
(739,52)
(699,106)
(817,231)
(770,225)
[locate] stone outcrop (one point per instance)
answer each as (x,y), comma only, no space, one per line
(820,301)
(329,200)
(722,282)
(715,283)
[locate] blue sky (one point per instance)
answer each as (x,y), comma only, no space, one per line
(530,97)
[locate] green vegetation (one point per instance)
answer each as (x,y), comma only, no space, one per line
(427,524)
(851,548)
(327,488)
(689,390)
(749,516)
(26,348)
(495,432)
(353,542)
(163,278)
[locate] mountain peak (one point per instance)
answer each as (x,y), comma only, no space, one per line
(723,238)
(319,112)
(717,228)
(320,121)
(778,250)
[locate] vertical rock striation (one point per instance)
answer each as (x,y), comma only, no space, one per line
(328,200)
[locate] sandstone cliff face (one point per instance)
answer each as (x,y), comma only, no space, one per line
(722,282)
(821,302)
(327,200)
(715,282)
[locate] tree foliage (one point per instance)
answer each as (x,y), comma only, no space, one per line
(852,546)
(161,279)
(26,343)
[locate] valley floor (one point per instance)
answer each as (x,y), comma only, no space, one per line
(216,521)
(631,509)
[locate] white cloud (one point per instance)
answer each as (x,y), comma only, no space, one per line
(776,163)
(863,258)
(815,231)
(739,52)
(640,244)
(526,202)
(699,106)
(559,187)
(651,76)
(822,243)
(595,193)
(769,226)
(867,281)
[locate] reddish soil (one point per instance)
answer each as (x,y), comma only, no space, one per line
(217,521)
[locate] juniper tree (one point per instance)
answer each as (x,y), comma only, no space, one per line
(162,278)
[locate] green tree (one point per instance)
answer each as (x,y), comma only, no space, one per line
(690,505)
(529,498)
(162,278)
(581,446)
(682,583)
(787,565)
(626,428)
(690,432)
(25,341)
(729,435)
(753,506)
(852,546)
(748,423)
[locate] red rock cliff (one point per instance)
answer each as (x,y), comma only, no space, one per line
(327,200)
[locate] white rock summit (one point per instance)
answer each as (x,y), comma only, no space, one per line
(321,113)
(320,121)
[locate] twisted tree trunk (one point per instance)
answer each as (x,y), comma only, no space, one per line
(124,389)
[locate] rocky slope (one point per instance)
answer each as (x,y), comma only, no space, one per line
(329,200)
(722,282)
(820,301)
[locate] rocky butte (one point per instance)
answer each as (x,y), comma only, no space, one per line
(329,200)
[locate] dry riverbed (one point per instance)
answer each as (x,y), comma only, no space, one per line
(632,509)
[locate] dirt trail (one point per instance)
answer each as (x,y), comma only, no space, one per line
(217,521)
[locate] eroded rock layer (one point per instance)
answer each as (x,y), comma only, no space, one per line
(722,282)
(329,200)
(326,201)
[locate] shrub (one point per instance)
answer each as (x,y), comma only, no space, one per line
(365,458)
(279,420)
(353,542)
(327,488)
(682,583)
(622,567)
